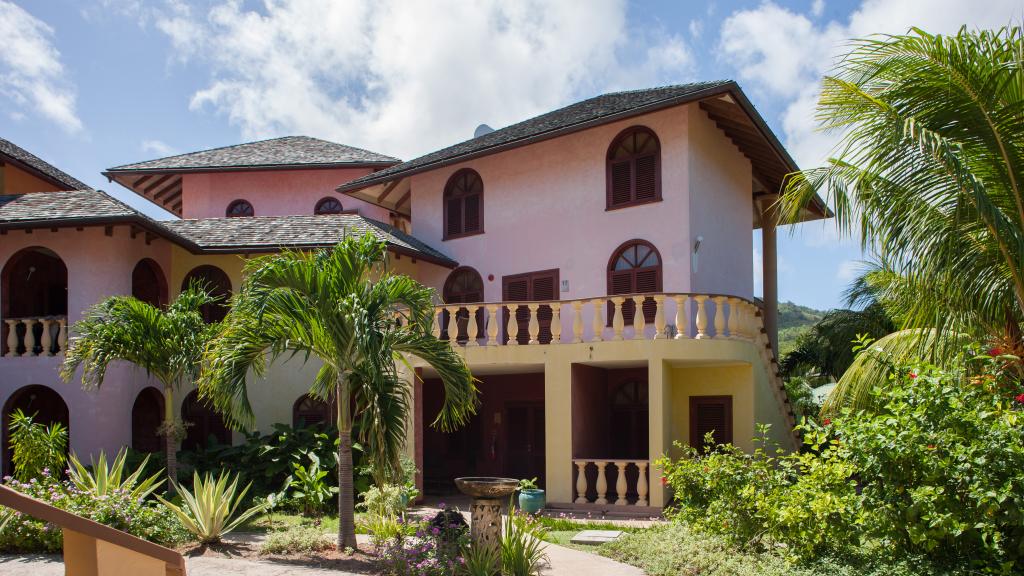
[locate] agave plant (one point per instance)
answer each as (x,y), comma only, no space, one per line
(522,545)
(104,480)
(208,511)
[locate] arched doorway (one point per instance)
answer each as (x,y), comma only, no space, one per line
(464,286)
(205,423)
(310,411)
(34,285)
(41,401)
(149,283)
(147,415)
(634,268)
(216,283)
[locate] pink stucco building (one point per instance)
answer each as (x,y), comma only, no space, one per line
(592,264)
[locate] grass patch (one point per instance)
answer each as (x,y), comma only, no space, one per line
(297,540)
(284,520)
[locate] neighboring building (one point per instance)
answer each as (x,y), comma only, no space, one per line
(538,236)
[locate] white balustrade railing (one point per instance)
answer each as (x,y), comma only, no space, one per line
(40,336)
(617,482)
(625,317)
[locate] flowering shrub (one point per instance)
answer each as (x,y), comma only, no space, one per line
(117,509)
(433,551)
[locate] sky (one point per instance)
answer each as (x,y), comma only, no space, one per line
(91,84)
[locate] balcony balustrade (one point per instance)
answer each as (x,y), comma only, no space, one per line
(613,477)
(38,336)
(609,318)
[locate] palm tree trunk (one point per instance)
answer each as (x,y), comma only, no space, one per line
(346,498)
(170,443)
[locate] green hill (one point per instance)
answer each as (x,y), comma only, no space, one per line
(793,321)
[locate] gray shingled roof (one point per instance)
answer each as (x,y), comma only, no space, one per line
(276,152)
(51,172)
(61,206)
(594,109)
(295,231)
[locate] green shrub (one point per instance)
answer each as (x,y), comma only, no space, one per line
(103,480)
(522,545)
(386,500)
(309,486)
(36,447)
(118,509)
(208,511)
(297,540)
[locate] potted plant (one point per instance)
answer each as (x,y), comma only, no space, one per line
(531,498)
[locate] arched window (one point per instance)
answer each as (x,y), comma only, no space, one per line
(463,204)
(44,403)
(205,424)
(216,283)
(148,283)
(464,285)
(328,205)
(239,208)
(635,268)
(634,168)
(33,284)
(310,410)
(147,415)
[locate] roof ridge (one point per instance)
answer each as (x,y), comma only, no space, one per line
(225,147)
(49,170)
(264,216)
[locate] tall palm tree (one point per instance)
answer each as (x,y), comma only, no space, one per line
(342,306)
(929,173)
(168,343)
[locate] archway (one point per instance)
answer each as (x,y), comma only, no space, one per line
(42,401)
(147,415)
(205,423)
(149,283)
(34,285)
(310,411)
(216,283)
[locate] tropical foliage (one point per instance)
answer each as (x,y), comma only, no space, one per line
(208,511)
(102,480)
(167,343)
(36,448)
(345,308)
(310,487)
(929,174)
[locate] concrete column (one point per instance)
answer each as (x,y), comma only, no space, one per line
(770,266)
(558,430)
(659,414)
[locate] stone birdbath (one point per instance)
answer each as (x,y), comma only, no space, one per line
(485,513)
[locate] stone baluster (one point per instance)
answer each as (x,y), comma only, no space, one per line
(682,324)
(436,329)
(533,326)
(617,321)
(62,335)
(48,339)
(639,320)
(581,482)
(602,483)
(641,484)
(620,484)
(510,331)
(556,323)
(471,328)
(30,337)
(492,325)
(702,316)
(577,321)
(734,318)
(659,317)
(453,325)
(719,316)
(12,338)
(598,321)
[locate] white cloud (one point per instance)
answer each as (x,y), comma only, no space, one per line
(848,270)
(696,28)
(404,77)
(817,7)
(31,73)
(157,147)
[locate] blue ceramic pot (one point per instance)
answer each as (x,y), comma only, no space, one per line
(531,501)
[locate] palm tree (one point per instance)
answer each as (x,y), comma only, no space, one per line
(342,306)
(167,343)
(929,173)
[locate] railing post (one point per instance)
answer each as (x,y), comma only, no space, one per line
(62,334)
(492,325)
(602,483)
(617,321)
(639,320)
(659,317)
(577,321)
(556,323)
(641,484)
(533,326)
(436,329)
(47,340)
(734,318)
(682,324)
(581,482)
(12,338)
(471,327)
(453,325)
(719,317)
(620,484)
(511,327)
(30,337)
(598,322)
(702,316)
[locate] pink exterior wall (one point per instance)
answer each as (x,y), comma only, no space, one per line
(545,208)
(271,192)
(98,266)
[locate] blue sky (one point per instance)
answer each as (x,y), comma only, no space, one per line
(90,84)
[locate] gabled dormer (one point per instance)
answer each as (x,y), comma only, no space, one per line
(293,175)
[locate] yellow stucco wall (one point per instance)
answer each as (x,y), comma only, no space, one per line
(16,181)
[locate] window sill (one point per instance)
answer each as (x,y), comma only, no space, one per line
(609,208)
(463,235)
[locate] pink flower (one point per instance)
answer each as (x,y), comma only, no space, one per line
(827,422)
(1019,398)
(912,375)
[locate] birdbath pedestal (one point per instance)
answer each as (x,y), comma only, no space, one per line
(485,513)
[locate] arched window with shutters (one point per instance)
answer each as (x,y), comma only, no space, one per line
(464,286)
(463,204)
(634,168)
(635,268)
(312,411)
(328,205)
(216,283)
(239,209)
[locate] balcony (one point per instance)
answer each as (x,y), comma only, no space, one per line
(35,336)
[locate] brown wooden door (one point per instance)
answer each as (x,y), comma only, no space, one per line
(529,287)
(524,440)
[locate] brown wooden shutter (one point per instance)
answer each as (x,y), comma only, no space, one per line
(454,216)
(646,178)
(472,207)
(710,414)
(622,175)
(543,288)
(529,287)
